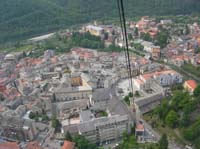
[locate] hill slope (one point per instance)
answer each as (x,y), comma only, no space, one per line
(23,18)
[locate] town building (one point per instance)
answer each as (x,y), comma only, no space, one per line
(152,49)
(190,85)
(67,90)
(105,129)
(94,30)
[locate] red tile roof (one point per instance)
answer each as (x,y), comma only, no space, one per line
(11,93)
(140,127)
(9,145)
(33,145)
(68,145)
(191,83)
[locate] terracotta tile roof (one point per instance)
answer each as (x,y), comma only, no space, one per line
(11,93)
(33,145)
(9,145)
(139,81)
(68,145)
(139,127)
(1,108)
(191,83)
(54,60)
(148,76)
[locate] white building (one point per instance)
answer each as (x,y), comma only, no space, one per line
(164,78)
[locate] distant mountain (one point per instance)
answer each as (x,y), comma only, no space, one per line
(24,18)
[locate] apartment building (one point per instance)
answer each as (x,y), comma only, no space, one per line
(105,129)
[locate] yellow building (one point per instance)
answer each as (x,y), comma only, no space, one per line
(95,30)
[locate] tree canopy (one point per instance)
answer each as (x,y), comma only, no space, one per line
(21,18)
(197,91)
(171,118)
(163,143)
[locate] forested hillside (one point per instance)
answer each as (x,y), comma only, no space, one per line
(24,18)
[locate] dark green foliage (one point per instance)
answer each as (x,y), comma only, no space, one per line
(105,36)
(55,123)
(2,97)
(68,136)
(137,94)
(82,143)
(163,143)
(187,30)
(112,48)
(130,37)
(146,37)
(171,119)
(22,18)
(179,99)
(129,142)
(101,113)
(127,100)
(130,94)
(189,107)
(162,39)
(185,120)
(192,69)
(31,115)
(193,131)
(163,109)
(45,118)
(169,110)
(138,46)
(177,87)
(197,91)
(197,143)
(36,116)
(197,51)
(87,40)
(136,32)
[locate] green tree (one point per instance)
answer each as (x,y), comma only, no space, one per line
(197,91)
(163,143)
(187,30)
(171,118)
(2,97)
(130,37)
(197,143)
(130,94)
(138,46)
(55,123)
(45,118)
(68,136)
(127,100)
(129,142)
(193,131)
(106,36)
(146,36)
(137,94)
(136,32)
(82,143)
(163,109)
(162,39)
(185,120)
(31,115)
